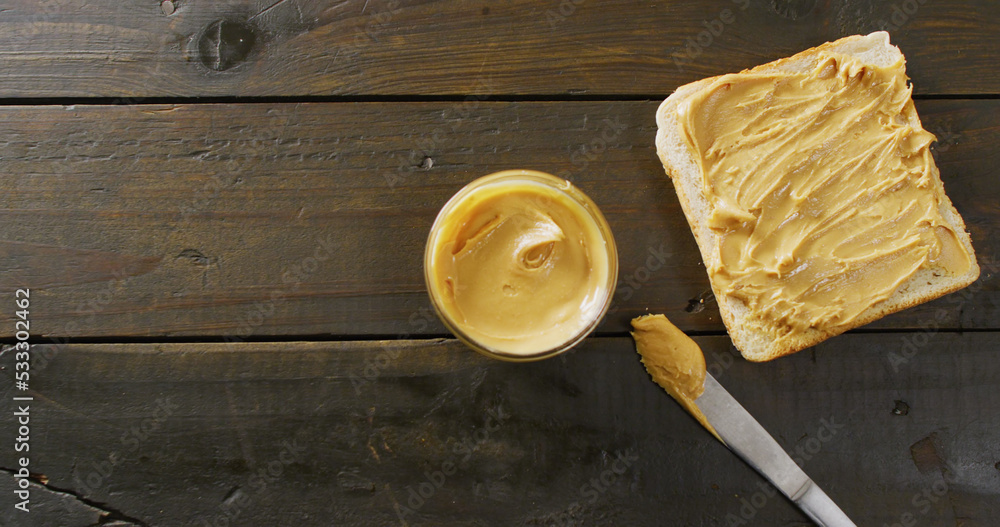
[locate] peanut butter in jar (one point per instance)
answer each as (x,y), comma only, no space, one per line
(520,265)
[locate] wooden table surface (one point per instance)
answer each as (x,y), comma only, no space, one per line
(220,210)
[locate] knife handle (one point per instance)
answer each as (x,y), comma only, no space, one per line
(821,509)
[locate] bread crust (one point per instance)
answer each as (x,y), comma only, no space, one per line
(754,341)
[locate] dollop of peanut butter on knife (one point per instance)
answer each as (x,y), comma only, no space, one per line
(674,361)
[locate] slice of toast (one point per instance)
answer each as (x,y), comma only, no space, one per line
(755,340)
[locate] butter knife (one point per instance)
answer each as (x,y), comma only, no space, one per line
(742,434)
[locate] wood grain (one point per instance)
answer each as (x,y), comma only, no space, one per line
(109,48)
(347,428)
(255,220)
(271,219)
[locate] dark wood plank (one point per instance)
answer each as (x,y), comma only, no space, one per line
(110,48)
(346,429)
(156,221)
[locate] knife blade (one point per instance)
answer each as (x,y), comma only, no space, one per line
(742,434)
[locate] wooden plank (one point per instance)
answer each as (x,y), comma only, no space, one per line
(284,219)
(272,433)
(109,48)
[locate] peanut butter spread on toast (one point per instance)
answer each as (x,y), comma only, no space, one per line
(822,190)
